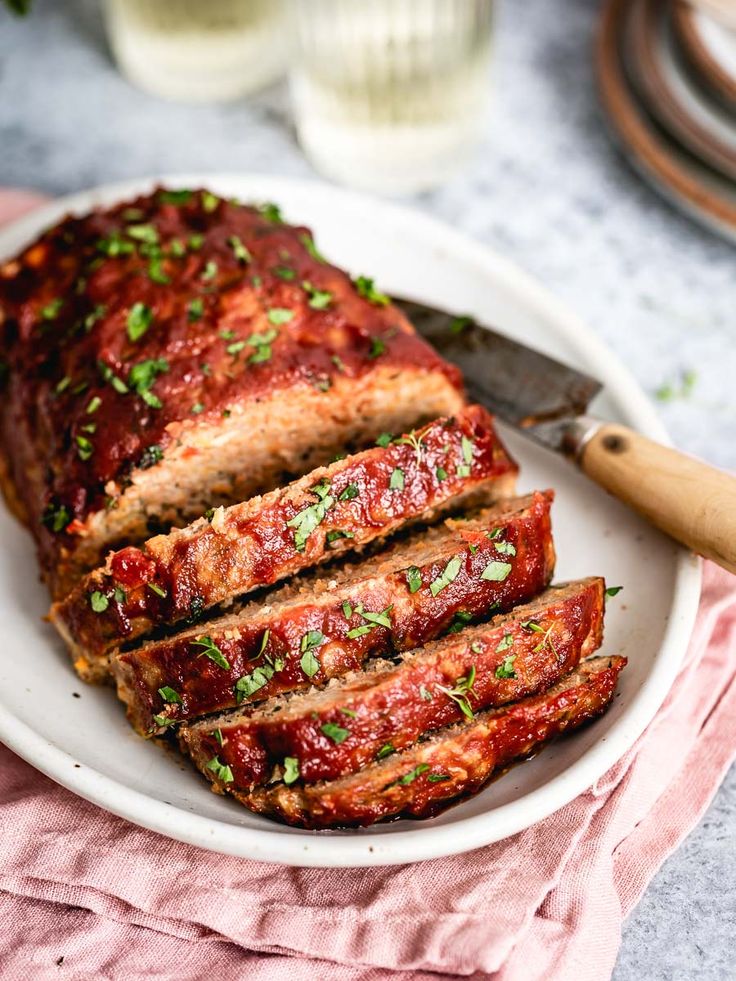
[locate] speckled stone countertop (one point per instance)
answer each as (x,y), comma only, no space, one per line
(548,191)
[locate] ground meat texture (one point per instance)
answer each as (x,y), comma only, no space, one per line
(182,351)
(360,499)
(388,707)
(326,626)
(423,780)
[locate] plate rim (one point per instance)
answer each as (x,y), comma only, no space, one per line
(364,849)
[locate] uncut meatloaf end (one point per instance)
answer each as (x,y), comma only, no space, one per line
(323,626)
(181,351)
(173,579)
(423,780)
(387,707)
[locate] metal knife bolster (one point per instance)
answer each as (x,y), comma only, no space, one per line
(568,436)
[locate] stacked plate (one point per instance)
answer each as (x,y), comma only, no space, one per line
(667,77)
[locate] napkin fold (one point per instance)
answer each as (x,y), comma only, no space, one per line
(84,894)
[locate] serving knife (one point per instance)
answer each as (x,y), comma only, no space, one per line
(548,401)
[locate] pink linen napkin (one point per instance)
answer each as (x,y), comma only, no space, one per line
(84,894)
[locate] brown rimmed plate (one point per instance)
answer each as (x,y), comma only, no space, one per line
(705,48)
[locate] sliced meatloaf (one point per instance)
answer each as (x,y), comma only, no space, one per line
(371,714)
(174,578)
(183,351)
(321,628)
(422,780)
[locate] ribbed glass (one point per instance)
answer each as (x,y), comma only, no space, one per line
(390,94)
(199,50)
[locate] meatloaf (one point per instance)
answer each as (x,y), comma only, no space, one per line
(373,713)
(324,626)
(174,578)
(422,780)
(181,351)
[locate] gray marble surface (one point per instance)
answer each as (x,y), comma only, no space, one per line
(547,190)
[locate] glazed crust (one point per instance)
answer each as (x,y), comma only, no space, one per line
(174,578)
(317,625)
(351,724)
(131,335)
(423,780)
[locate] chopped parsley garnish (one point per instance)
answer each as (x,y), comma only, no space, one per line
(411,776)
(170,696)
(93,405)
(411,439)
(495,534)
(378,347)
(249,684)
(98,601)
(438,777)
(158,590)
(56,518)
(115,245)
(285,272)
(318,299)
(210,270)
(177,248)
(109,376)
(209,201)
(505,548)
(222,772)
(305,521)
(175,197)
(51,310)
(532,627)
(152,455)
(143,233)
(264,642)
(335,732)
(506,641)
(496,571)
(613,590)
(196,242)
(349,713)
(211,650)
(271,212)
(91,319)
(310,641)
(386,750)
(372,620)
(140,318)
(384,439)
(162,721)
(235,348)
(461,693)
(63,385)
(262,344)
(413,579)
(197,408)
(350,493)
(291,769)
(397,479)
(366,288)
(308,243)
(448,575)
(143,375)
(462,619)
(156,272)
(426,694)
(335,535)
(85,448)
(441,474)
(459,324)
(347,610)
(239,250)
(218,736)
(279,315)
(506,668)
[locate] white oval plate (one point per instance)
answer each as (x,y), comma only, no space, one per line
(84,742)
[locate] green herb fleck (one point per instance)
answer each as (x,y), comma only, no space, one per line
(85,448)
(506,668)
(413,579)
(93,405)
(143,233)
(350,493)
(613,590)
(496,571)
(305,521)
(210,270)
(459,324)
(169,695)
(318,299)
(56,518)
(158,590)
(271,212)
(239,250)
(209,201)
(366,288)
(98,601)
(506,641)
(413,774)
(140,318)
(397,479)
(212,651)
(195,310)
(291,769)
(279,315)
(441,474)
(308,243)
(222,772)
(262,344)
(51,310)
(335,732)
(174,197)
(448,575)
(384,439)
(461,693)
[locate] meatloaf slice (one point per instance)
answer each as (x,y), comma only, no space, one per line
(371,714)
(421,781)
(183,351)
(322,628)
(356,500)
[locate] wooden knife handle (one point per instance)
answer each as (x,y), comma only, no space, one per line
(687,499)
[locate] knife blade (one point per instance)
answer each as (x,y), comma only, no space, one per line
(548,401)
(527,389)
